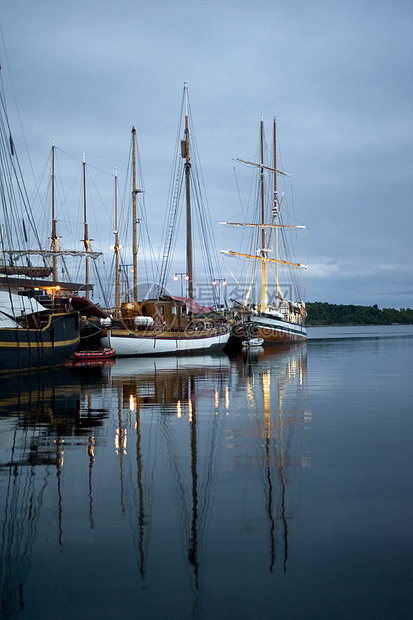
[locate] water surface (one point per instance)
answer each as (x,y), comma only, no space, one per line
(275,484)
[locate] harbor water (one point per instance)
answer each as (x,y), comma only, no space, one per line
(272,484)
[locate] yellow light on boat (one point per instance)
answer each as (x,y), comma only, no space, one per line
(129,306)
(178,409)
(57,288)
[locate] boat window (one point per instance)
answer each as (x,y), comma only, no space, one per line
(183,310)
(162,310)
(174,310)
(144,310)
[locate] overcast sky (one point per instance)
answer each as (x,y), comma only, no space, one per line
(337,75)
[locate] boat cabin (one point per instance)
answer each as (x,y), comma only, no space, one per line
(166,312)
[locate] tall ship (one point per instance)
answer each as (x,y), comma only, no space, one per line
(272,309)
(38,328)
(161,323)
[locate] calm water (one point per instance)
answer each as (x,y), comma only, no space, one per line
(269,485)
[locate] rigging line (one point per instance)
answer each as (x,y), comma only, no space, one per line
(102,289)
(248,292)
(15,103)
(238,189)
(232,274)
(110,174)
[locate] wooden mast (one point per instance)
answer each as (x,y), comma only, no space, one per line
(86,240)
(54,236)
(275,216)
(185,154)
(116,247)
(134,216)
(263,250)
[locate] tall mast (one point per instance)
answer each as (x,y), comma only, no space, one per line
(134,215)
(275,214)
(86,240)
(54,236)
(263,251)
(185,154)
(116,247)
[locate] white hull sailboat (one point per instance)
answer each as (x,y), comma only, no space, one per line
(134,344)
(165,324)
(279,320)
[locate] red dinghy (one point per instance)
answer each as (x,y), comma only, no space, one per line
(94,355)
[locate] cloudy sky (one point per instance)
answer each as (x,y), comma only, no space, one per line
(337,75)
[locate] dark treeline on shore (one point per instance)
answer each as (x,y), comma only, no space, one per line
(322,313)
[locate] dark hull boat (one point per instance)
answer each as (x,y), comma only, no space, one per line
(37,330)
(40,347)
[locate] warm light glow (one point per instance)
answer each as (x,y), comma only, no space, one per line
(120,441)
(176,278)
(226,398)
(213,283)
(186,277)
(91,448)
(129,306)
(190,409)
(178,409)
(132,403)
(57,288)
(216,399)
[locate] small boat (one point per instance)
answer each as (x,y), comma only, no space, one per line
(101,354)
(252,342)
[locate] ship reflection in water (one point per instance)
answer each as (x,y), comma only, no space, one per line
(175,480)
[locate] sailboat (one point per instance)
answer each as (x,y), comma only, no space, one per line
(277,320)
(37,328)
(164,324)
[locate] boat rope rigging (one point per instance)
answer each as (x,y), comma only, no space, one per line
(187,171)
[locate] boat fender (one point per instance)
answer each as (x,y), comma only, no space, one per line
(144,321)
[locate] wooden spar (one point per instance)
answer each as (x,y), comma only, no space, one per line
(263,258)
(116,248)
(189,271)
(263,265)
(134,224)
(253,163)
(54,235)
(259,225)
(86,240)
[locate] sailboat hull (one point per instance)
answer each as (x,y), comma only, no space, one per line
(128,343)
(272,330)
(24,349)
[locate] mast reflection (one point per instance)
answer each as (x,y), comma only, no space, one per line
(40,414)
(171,388)
(279,415)
(190,464)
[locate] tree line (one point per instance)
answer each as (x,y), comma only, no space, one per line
(323,313)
